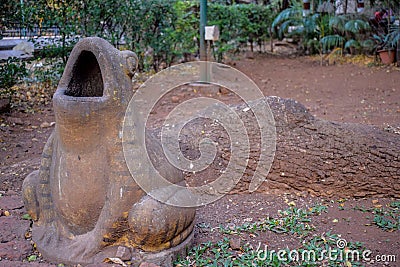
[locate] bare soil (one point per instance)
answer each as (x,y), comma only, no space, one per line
(342,92)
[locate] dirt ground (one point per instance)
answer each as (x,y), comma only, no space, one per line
(342,92)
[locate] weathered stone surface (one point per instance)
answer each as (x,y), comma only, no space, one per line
(15,250)
(83,197)
(26,47)
(12,228)
(164,257)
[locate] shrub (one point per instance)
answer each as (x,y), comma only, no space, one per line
(11,72)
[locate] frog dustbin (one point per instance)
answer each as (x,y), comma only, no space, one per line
(86,206)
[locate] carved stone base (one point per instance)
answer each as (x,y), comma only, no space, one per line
(164,258)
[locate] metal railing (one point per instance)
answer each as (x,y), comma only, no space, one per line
(16,30)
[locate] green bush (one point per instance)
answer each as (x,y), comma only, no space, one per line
(160,32)
(322,32)
(239,25)
(11,72)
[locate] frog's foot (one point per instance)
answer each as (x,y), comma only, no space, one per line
(157,226)
(83,248)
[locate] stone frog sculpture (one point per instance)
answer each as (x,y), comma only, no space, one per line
(84,203)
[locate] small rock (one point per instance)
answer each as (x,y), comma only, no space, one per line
(234,243)
(45,125)
(175,99)
(26,47)
(123,253)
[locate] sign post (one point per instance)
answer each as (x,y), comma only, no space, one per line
(204,76)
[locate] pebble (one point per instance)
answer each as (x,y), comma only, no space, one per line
(175,99)
(45,125)
(234,243)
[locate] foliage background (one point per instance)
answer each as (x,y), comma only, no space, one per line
(160,32)
(165,32)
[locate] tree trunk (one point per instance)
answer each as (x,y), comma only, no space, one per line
(322,158)
(331,158)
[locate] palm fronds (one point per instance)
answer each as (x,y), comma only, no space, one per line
(293,13)
(337,23)
(330,41)
(356,26)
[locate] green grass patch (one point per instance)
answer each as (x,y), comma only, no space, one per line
(294,221)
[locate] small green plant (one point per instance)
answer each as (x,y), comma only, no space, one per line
(221,253)
(362,209)
(11,72)
(337,247)
(292,220)
(387,218)
(26,216)
(321,32)
(314,248)
(32,258)
(388,40)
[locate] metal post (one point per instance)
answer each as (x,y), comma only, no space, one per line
(204,77)
(21,27)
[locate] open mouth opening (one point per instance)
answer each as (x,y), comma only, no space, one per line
(86,80)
